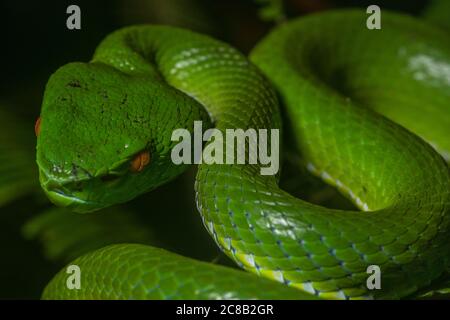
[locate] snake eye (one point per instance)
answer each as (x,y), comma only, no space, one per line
(140,161)
(37,126)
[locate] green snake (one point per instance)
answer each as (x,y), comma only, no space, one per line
(352,98)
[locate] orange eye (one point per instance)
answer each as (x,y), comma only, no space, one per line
(37,126)
(140,161)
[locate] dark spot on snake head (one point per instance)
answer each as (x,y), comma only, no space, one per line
(125,98)
(74,84)
(104,94)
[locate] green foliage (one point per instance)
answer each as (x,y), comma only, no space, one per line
(271,10)
(65,235)
(18,173)
(438,13)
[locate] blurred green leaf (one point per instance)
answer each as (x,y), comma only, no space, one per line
(65,235)
(18,173)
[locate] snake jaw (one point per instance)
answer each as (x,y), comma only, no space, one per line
(63,200)
(59,193)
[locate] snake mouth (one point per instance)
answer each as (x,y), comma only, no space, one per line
(65,192)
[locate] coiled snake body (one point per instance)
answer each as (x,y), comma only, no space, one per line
(349,93)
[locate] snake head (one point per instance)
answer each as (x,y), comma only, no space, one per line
(104,137)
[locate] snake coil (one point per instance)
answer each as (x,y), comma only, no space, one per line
(348,94)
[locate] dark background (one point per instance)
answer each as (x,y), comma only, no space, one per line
(36,241)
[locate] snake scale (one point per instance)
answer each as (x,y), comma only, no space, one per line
(360,104)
